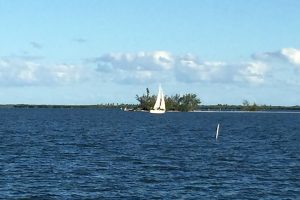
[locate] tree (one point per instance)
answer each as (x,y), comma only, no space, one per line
(248,107)
(253,107)
(189,102)
(148,92)
(246,103)
(172,102)
(146,101)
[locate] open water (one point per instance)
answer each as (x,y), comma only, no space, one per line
(110,154)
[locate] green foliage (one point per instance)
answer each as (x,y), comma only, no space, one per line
(146,101)
(173,102)
(246,103)
(187,102)
(246,106)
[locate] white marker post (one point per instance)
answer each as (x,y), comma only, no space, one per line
(217,133)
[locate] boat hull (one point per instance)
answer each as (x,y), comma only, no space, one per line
(157,111)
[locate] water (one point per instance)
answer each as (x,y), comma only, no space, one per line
(110,154)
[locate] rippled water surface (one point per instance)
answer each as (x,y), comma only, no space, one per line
(103,154)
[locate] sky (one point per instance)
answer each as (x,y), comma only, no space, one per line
(107,51)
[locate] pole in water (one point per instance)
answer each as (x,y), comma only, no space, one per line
(217,133)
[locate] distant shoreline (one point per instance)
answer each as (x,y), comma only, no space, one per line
(97,106)
(244,111)
(134,107)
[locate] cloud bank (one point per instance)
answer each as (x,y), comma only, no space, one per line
(262,68)
(135,68)
(18,71)
(266,68)
(285,55)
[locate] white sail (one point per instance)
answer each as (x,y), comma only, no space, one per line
(158,100)
(162,102)
(159,106)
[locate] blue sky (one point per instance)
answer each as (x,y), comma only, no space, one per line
(88,52)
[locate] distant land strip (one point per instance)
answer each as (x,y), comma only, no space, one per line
(219,107)
(96,106)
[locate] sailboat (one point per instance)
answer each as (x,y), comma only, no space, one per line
(159,106)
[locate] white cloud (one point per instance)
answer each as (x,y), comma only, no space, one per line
(136,77)
(162,66)
(154,67)
(292,55)
(28,72)
(190,69)
(15,71)
(254,72)
(163,59)
(64,73)
(283,67)
(141,67)
(286,55)
(121,75)
(158,60)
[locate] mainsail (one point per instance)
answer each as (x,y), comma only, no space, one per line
(162,102)
(159,106)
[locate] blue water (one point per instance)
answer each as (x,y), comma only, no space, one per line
(110,154)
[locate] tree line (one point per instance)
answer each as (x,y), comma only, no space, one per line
(184,103)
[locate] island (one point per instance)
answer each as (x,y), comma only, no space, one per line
(177,103)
